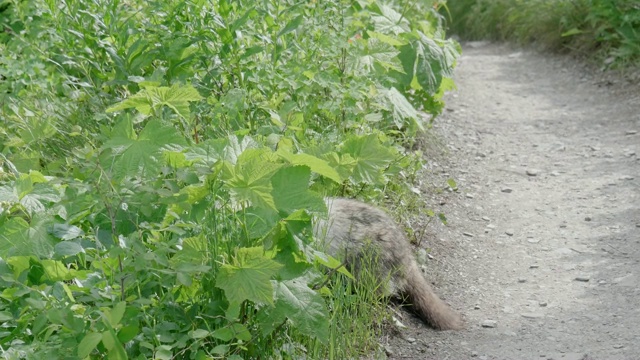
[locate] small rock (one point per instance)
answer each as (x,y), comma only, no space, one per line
(555,173)
(506,190)
(542,304)
(638,225)
(626,177)
(618,346)
(411,340)
(487,219)
(522,280)
(474,354)
(534,266)
(467,234)
(532,172)
(477,307)
(509,232)
(388,350)
(531,315)
(491,226)
(583,278)
(469,196)
(533,241)
(489,324)
(631,132)
(587,218)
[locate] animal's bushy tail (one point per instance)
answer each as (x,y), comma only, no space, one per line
(426,304)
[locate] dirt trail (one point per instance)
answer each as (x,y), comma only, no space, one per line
(547,162)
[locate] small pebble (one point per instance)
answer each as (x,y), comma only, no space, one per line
(474,353)
(534,266)
(411,340)
(631,132)
(587,218)
(506,190)
(583,278)
(467,234)
(487,219)
(542,304)
(522,280)
(509,232)
(469,196)
(532,172)
(531,315)
(489,324)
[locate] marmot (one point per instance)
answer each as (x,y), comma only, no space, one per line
(352,226)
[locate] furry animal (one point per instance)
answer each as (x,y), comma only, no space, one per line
(352,227)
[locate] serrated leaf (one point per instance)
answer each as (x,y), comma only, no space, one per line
(248,279)
(291,191)
(371,158)
(142,155)
(153,98)
(250,178)
(304,308)
(18,237)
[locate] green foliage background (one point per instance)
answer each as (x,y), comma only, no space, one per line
(610,29)
(160,163)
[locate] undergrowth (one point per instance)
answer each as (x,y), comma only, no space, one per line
(608,29)
(161,162)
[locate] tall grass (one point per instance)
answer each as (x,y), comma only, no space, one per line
(609,29)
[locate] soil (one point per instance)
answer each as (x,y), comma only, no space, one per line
(541,253)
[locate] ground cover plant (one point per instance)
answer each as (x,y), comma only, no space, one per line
(610,29)
(160,162)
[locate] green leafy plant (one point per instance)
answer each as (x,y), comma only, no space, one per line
(161,162)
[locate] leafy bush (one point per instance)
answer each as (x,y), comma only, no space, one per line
(160,163)
(609,28)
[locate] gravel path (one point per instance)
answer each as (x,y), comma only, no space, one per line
(542,250)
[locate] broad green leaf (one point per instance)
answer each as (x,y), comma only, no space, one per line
(116,313)
(66,232)
(291,191)
(401,109)
(390,21)
(128,333)
(304,308)
(17,237)
(88,344)
(142,155)
(5,316)
(248,279)
(317,165)
(154,98)
(55,270)
(371,158)
(67,248)
(250,179)
(393,41)
(198,333)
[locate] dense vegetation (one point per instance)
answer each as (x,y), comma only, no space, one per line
(610,29)
(160,163)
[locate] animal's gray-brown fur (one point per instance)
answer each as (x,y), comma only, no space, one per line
(352,226)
